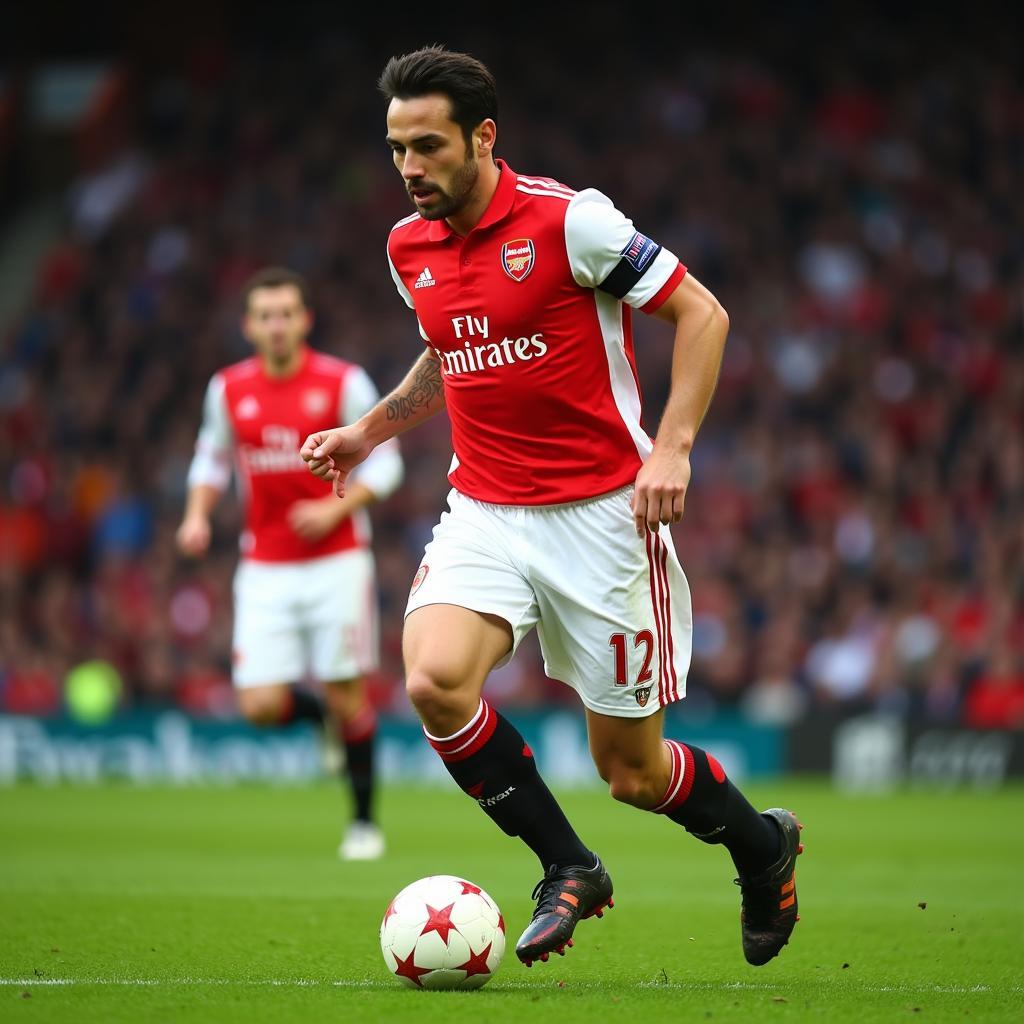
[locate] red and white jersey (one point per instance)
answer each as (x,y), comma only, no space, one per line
(529,316)
(260,422)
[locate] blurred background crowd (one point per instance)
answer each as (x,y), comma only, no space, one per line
(854,531)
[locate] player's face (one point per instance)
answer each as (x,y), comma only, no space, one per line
(431,154)
(276,322)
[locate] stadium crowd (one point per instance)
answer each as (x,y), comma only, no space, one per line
(854,531)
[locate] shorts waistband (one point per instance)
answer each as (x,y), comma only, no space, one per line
(626,489)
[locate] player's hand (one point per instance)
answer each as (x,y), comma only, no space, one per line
(333,454)
(193,536)
(313,520)
(660,490)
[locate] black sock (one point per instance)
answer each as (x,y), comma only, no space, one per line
(710,807)
(302,706)
(358,736)
(491,763)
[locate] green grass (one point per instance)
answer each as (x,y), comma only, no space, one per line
(123,904)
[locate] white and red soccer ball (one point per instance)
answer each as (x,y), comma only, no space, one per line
(442,932)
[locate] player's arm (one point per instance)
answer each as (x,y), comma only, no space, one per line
(317,517)
(607,253)
(209,472)
(701,326)
(375,479)
(333,454)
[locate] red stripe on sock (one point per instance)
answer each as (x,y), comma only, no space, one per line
(470,739)
(674,775)
(681,780)
(360,728)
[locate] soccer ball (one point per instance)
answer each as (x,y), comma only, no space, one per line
(442,932)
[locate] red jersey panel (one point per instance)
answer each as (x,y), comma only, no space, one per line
(529,318)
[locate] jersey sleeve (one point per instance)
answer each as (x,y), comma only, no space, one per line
(606,252)
(211,463)
(399,283)
(382,471)
(404,292)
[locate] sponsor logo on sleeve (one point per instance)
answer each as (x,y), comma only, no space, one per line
(517,258)
(639,252)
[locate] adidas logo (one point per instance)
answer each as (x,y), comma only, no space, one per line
(425,280)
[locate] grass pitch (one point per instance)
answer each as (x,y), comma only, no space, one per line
(124,904)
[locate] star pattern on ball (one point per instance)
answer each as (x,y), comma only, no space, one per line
(477,962)
(390,912)
(439,921)
(469,887)
(407,969)
(501,923)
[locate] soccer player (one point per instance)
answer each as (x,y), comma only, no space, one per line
(523,290)
(305,593)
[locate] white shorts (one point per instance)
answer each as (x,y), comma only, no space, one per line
(313,618)
(612,610)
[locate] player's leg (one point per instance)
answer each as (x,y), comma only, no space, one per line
(689,786)
(267,649)
(469,607)
(338,613)
(449,651)
(627,655)
(278,704)
(355,724)
(683,782)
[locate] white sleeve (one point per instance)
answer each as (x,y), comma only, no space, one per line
(399,283)
(211,463)
(607,252)
(382,471)
(404,292)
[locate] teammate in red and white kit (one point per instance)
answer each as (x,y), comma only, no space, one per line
(523,289)
(305,594)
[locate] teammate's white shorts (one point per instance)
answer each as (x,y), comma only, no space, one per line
(312,618)
(612,610)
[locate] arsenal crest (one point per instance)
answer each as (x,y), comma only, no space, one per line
(517,258)
(421,575)
(641,694)
(315,402)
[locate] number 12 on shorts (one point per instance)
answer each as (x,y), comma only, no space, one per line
(618,644)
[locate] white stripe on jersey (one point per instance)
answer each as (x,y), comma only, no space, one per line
(567,196)
(406,220)
(546,183)
(620,374)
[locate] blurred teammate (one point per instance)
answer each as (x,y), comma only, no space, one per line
(305,594)
(523,289)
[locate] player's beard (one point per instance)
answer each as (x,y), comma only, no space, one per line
(279,358)
(455,197)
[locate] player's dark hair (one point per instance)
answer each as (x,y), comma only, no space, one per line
(463,79)
(276,277)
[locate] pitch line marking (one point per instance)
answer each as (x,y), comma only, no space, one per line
(350,983)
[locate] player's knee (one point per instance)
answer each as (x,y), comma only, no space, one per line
(345,699)
(631,786)
(261,707)
(444,705)
(427,693)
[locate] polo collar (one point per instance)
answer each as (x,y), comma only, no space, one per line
(498,208)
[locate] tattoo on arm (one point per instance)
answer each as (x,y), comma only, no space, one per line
(418,391)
